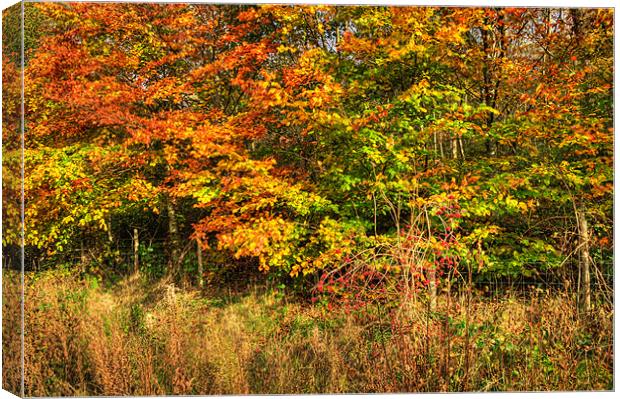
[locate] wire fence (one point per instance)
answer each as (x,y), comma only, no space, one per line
(152,254)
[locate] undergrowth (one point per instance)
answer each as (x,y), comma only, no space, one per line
(151,338)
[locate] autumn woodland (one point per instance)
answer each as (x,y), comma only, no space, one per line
(233,199)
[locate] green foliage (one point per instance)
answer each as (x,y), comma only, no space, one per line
(295,138)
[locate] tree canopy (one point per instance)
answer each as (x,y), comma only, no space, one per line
(298,139)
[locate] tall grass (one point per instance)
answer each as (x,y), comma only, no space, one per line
(146,338)
(11,333)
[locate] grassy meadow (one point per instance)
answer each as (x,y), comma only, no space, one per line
(152,338)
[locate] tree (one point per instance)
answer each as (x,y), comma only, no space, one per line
(296,138)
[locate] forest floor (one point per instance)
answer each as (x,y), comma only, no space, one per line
(141,337)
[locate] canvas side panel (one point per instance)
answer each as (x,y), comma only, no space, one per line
(12,366)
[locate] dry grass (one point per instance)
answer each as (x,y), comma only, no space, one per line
(11,333)
(140,338)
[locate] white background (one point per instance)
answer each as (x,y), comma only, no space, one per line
(529,3)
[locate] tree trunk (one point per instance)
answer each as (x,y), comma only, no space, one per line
(83,259)
(109,228)
(467,323)
(576,28)
(454,145)
(136,246)
(441,144)
(111,250)
(432,288)
(200,269)
(584,259)
(173,236)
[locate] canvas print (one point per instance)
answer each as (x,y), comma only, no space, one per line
(207,199)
